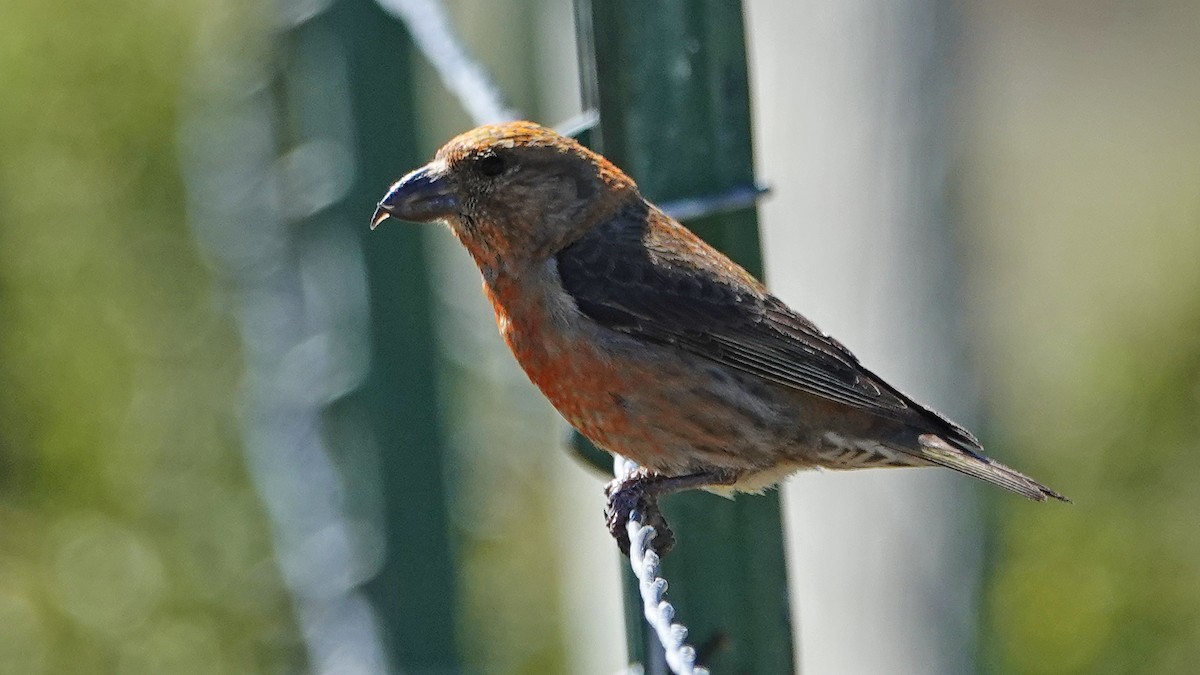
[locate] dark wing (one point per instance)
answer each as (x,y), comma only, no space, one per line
(643,274)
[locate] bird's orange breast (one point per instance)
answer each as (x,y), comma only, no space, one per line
(637,400)
(619,399)
(582,383)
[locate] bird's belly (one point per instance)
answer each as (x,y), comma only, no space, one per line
(662,408)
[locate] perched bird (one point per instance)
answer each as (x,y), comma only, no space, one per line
(653,344)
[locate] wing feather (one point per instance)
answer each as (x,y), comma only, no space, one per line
(643,274)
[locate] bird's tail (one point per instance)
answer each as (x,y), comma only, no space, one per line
(935,449)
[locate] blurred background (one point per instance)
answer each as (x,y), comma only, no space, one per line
(239,435)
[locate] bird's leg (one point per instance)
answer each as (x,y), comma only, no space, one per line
(640,491)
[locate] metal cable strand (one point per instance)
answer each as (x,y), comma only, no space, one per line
(659,613)
(470,83)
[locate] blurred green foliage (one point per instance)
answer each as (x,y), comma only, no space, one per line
(130,537)
(1081,190)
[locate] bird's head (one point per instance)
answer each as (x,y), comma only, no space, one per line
(515,192)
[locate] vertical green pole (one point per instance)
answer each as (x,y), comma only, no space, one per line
(414,594)
(669,80)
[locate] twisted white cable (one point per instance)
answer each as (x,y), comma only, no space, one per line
(659,613)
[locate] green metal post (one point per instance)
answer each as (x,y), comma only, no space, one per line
(414,594)
(669,80)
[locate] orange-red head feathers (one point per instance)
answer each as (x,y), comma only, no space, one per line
(515,191)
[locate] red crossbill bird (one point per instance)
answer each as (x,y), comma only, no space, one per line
(653,344)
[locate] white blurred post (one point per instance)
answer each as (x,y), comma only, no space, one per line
(851,100)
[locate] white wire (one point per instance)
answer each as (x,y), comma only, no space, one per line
(659,613)
(432,33)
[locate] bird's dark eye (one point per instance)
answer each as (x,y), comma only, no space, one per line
(490,165)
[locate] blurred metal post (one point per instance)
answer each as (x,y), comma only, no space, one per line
(415,591)
(670,83)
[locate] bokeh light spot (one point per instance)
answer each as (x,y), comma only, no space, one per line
(104,575)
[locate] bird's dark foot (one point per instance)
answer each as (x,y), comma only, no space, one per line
(630,495)
(639,492)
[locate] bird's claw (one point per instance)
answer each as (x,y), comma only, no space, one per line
(629,495)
